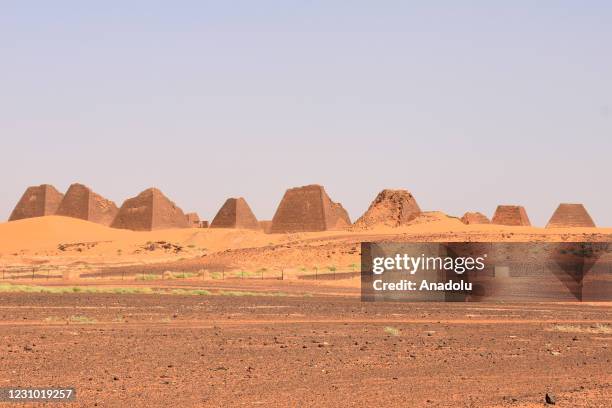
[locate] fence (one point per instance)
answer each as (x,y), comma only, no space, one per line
(161,272)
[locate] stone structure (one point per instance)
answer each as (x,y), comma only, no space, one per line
(265,226)
(235,213)
(150,210)
(513,215)
(308,208)
(570,215)
(37,201)
(194,220)
(391,208)
(80,202)
(474,218)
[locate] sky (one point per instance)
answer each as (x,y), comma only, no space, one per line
(466,104)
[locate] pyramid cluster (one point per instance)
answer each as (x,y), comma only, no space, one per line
(302,209)
(148,211)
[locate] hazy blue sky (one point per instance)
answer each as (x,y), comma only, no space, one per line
(467,106)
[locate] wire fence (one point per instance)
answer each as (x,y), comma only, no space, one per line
(159,272)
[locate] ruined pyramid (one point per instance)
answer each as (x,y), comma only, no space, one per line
(308,208)
(570,215)
(474,218)
(390,208)
(193,219)
(235,213)
(149,210)
(513,215)
(37,201)
(80,202)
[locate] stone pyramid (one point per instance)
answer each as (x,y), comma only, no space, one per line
(570,215)
(474,218)
(37,201)
(308,208)
(149,210)
(391,208)
(265,226)
(80,202)
(193,219)
(235,213)
(513,215)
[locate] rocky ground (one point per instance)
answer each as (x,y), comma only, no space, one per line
(320,349)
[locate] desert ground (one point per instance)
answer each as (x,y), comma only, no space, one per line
(230,317)
(315,348)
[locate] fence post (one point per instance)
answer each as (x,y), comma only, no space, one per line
(282,274)
(223,273)
(32,273)
(316,273)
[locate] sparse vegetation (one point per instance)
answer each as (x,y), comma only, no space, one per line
(391,331)
(244,274)
(179,275)
(131,291)
(147,277)
(81,319)
(598,328)
(246,293)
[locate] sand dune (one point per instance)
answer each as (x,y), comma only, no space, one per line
(63,240)
(50,231)
(42,237)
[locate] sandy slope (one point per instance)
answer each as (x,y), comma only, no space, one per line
(63,240)
(41,238)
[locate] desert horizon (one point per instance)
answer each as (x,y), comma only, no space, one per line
(306,204)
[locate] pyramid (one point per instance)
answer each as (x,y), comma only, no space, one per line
(308,208)
(570,215)
(235,213)
(80,202)
(37,201)
(513,215)
(149,210)
(391,208)
(265,226)
(193,219)
(474,218)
